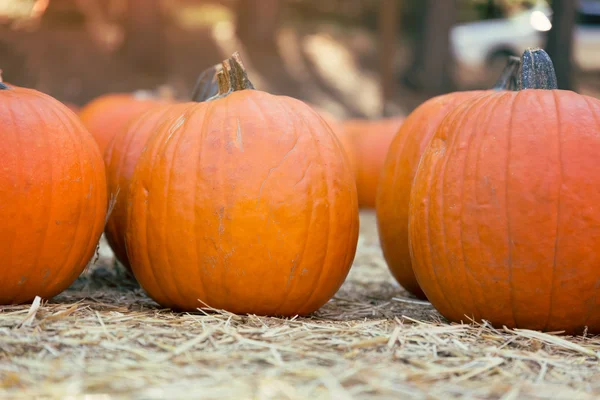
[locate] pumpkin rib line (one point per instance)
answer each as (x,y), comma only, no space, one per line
(198,170)
(466,265)
(450,148)
(179,129)
(260,113)
(225,267)
(430,174)
(595,295)
(317,285)
(507,206)
(19,170)
(300,257)
(80,206)
(46,228)
(558,209)
(146,207)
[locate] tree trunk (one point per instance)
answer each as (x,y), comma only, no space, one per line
(145,37)
(432,65)
(560,41)
(258,21)
(388,25)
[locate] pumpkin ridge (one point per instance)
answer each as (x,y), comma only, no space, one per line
(69,131)
(471,138)
(18,161)
(327,181)
(287,289)
(452,116)
(46,217)
(463,194)
(175,130)
(146,207)
(197,179)
(309,218)
(597,120)
(558,210)
(450,143)
(508,225)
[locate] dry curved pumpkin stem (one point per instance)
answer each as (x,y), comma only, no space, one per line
(206,84)
(234,77)
(508,79)
(536,71)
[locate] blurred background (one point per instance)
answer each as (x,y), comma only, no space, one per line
(355,58)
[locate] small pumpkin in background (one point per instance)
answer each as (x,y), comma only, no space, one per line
(400,167)
(370,141)
(503,220)
(53,192)
(244,203)
(109,114)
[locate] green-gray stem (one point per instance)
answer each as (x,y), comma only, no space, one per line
(536,71)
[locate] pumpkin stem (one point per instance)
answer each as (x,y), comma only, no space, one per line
(536,71)
(232,77)
(508,79)
(206,84)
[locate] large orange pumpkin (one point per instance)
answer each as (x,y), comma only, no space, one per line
(120,158)
(369,141)
(109,114)
(244,203)
(53,195)
(504,222)
(401,162)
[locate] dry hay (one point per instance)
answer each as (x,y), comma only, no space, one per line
(106,338)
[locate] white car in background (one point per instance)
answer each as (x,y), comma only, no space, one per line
(484,45)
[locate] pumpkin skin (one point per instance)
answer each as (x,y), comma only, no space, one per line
(393,193)
(109,114)
(53,191)
(120,159)
(503,221)
(245,203)
(370,141)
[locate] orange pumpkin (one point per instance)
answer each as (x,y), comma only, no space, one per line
(400,166)
(120,158)
(503,220)
(53,192)
(244,203)
(370,141)
(109,114)
(396,179)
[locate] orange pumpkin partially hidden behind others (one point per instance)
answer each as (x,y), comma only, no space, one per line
(370,140)
(109,114)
